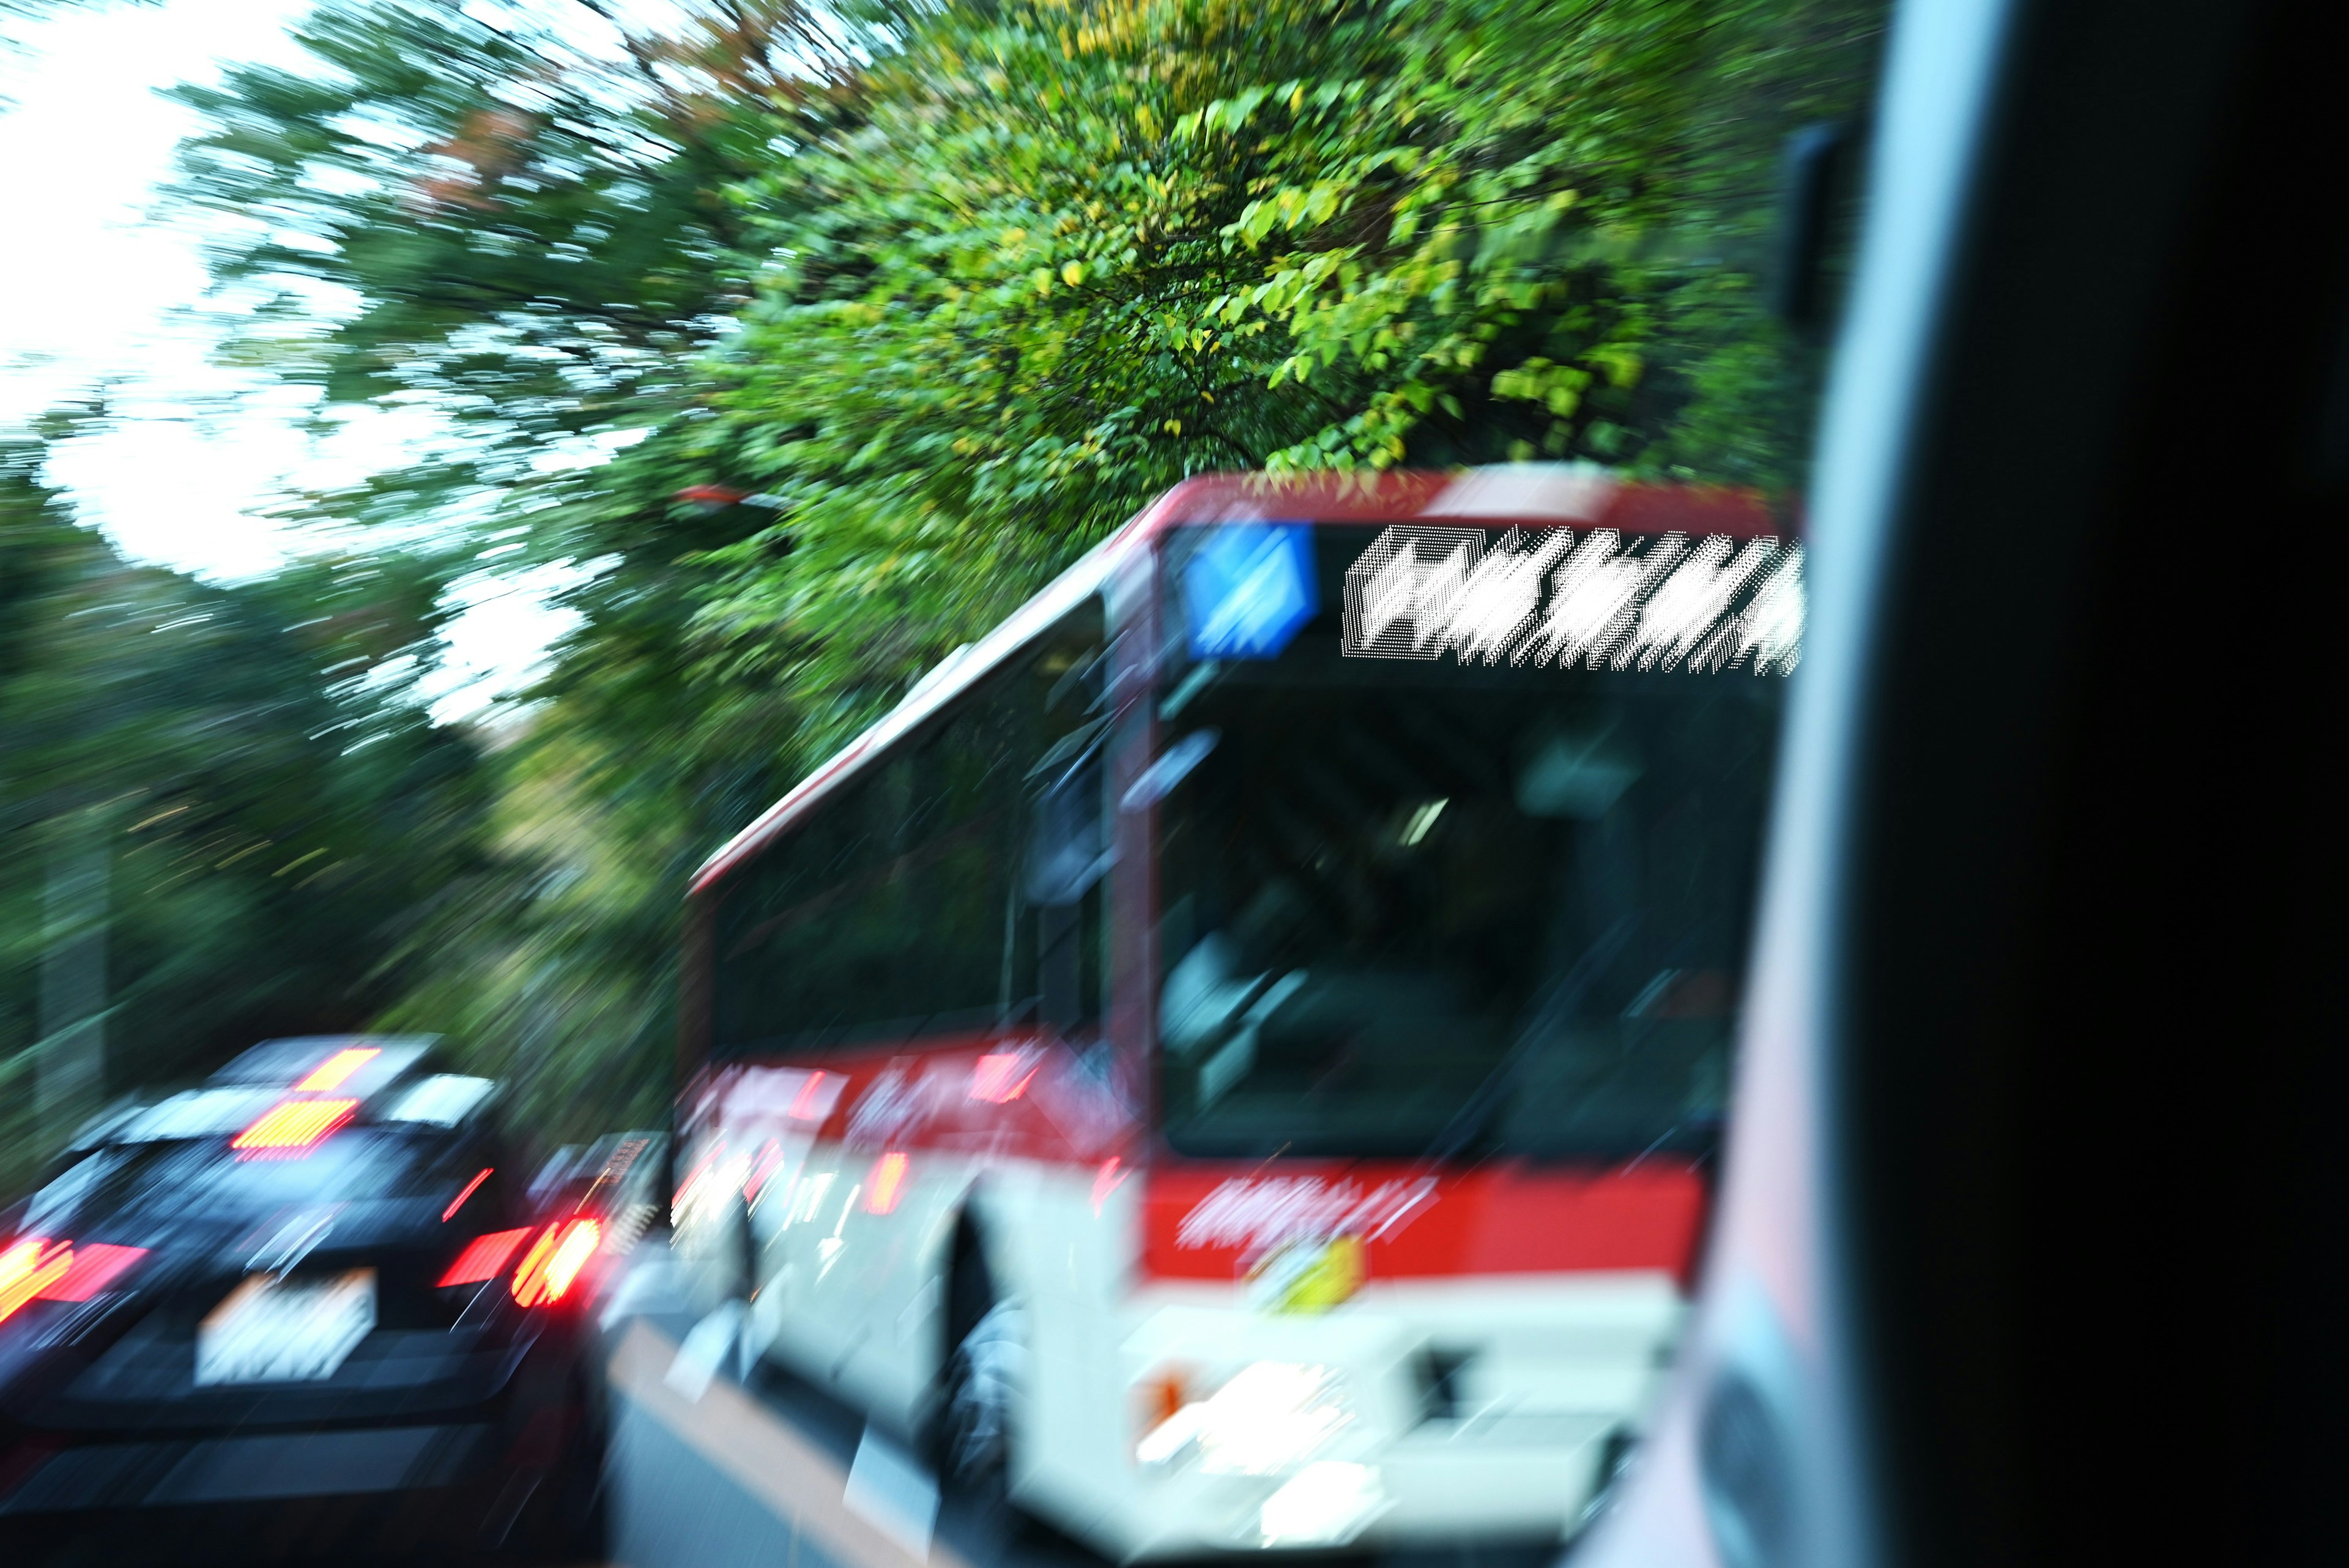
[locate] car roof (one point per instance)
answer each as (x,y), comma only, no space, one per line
(288,1061)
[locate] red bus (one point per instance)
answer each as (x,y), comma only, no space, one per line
(1234,1057)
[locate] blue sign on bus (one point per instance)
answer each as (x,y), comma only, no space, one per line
(1250,589)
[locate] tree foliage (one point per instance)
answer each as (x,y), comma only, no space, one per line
(276,810)
(946,291)
(1072,252)
(507,213)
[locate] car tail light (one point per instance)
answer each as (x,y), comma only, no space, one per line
(28,1269)
(96,1265)
(1002,1076)
(485,1258)
(554,1260)
(292,1129)
(35,1268)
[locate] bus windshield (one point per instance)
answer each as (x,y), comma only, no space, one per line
(1437,907)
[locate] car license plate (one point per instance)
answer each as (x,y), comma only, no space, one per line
(275,1330)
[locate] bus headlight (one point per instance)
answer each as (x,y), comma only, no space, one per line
(1268,1417)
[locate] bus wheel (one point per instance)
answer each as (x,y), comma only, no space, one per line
(973,1437)
(723,1265)
(742,1243)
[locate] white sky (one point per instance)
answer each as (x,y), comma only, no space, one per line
(94,291)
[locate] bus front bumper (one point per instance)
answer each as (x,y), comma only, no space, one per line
(1424,1489)
(1361,1428)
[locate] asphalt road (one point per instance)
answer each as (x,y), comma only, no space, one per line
(707,1468)
(712,1471)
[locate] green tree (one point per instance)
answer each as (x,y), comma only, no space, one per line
(509,213)
(1074,250)
(270,808)
(923,299)
(515,216)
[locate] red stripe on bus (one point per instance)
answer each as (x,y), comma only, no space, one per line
(1218,1219)
(1217,1224)
(1018,1096)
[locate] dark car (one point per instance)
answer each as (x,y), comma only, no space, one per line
(309,1302)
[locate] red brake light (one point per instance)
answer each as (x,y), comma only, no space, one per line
(28,1269)
(804,1102)
(291,1128)
(96,1265)
(554,1260)
(38,1269)
(485,1258)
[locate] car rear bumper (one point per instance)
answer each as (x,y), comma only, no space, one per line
(201,1471)
(452,1480)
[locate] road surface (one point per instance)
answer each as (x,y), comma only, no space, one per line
(709,1470)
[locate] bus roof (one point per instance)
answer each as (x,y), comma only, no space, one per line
(1532,493)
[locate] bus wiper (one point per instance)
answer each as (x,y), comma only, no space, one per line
(1468,1124)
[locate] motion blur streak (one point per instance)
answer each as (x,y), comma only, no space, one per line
(335,1068)
(470,1188)
(803,1106)
(554,1260)
(292,1129)
(998,1078)
(485,1258)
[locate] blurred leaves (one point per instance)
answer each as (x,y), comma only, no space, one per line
(510,214)
(1071,251)
(278,812)
(513,216)
(946,292)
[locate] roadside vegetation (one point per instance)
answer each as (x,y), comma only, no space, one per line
(816,339)
(223,817)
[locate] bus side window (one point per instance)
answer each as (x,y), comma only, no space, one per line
(1068,853)
(876,921)
(954,884)
(1053,948)
(1068,848)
